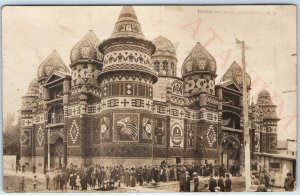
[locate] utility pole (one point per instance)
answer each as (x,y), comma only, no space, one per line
(246,119)
(51,121)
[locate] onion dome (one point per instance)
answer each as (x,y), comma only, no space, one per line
(127,24)
(33,88)
(264,93)
(235,74)
(199,60)
(29,98)
(87,48)
(164,47)
(164,58)
(266,107)
(52,63)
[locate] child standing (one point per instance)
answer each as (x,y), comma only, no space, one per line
(78,182)
(34,182)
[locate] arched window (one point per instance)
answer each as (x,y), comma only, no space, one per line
(55,114)
(156,66)
(165,67)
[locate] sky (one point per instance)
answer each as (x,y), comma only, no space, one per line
(31,33)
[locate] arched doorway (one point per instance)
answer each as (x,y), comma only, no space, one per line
(56,151)
(230,152)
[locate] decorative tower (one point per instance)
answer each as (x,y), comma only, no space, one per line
(126,83)
(164,62)
(198,75)
(86,65)
(268,124)
(26,125)
(48,90)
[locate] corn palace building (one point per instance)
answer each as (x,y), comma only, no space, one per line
(120,101)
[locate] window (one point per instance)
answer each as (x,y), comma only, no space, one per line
(274,165)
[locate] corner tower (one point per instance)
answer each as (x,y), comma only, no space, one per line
(198,75)
(126,83)
(269,121)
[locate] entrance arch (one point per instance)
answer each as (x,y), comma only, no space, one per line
(230,155)
(56,150)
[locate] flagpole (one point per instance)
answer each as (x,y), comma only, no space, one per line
(246,120)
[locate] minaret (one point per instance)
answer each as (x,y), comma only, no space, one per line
(198,75)
(269,122)
(26,125)
(86,65)
(126,83)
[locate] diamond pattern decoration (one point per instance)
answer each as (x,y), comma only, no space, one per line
(211,136)
(40,136)
(74,132)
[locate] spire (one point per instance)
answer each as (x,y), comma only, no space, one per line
(51,63)
(199,59)
(127,24)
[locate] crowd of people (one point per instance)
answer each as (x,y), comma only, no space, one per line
(109,178)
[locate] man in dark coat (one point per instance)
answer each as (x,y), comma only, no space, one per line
(227,183)
(140,176)
(148,174)
(155,174)
(221,184)
(212,184)
(222,170)
(182,182)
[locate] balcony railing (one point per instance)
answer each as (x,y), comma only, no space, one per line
(54,118)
